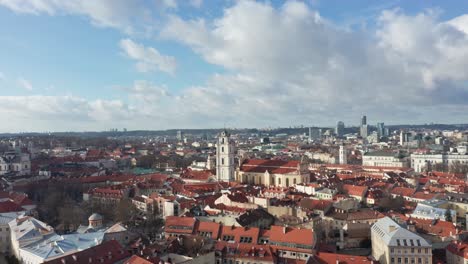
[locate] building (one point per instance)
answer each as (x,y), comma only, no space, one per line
(364,129)
(343,155)
(15,162)
(385,159)
(225,152)
(314,133)
(457,252)
(405,137)
(105,253)
(381,131)
(422,162)
(180,135)
(339,130)
(394,244)
(272,172)
(428,210)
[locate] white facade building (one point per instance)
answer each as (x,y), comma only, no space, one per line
(394,244)
(384,159)
(225,152)
(421,162)
(17,163)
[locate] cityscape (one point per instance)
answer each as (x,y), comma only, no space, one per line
(233,132)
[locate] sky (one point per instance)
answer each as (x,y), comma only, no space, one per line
(86,65)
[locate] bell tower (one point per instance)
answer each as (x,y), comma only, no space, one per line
(225,152)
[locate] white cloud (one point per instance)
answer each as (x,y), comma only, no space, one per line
(121,14)
(148,59)
(290,66)
(25,84)
(169,3)
(284,66)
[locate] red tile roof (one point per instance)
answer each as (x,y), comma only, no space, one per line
(272,166)
(9,206)
(403,191)
(184,225)
(291,235)
(333,258)
(137,260)
(459,248)
(212,227)
(239,232)
(355,190)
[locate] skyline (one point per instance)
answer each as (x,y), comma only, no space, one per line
(167,64)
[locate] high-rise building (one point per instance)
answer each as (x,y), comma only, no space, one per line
(180,135)
(314,133)
(381,129)
(225,152)
(339,131)
(404,137)
(364,130)
(363,120)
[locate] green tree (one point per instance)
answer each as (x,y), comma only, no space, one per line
(448,215)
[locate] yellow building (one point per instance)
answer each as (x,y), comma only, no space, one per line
(272,172)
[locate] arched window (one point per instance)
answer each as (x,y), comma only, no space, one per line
(222,149)
(222,161)
(287,182)
(279,181)
(294,181)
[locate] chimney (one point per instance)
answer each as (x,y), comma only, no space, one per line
(391,228)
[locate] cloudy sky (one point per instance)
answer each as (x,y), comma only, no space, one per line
(87,65)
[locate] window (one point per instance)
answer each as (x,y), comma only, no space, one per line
(399,260)
(392,250)
(392,260)
(222,161)
(426,250)
(222,149)
(412,250)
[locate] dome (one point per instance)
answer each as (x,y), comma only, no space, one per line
(95,217)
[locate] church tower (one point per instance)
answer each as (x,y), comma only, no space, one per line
(343,155)
(225,151)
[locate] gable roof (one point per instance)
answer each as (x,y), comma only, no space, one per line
(272,166)
(395,235)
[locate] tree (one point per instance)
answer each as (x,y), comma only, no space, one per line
(448,215)
(125,211)
(390,203)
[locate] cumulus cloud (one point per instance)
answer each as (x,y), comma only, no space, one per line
(121,14)
(25,84)
(148,59)
(288,65)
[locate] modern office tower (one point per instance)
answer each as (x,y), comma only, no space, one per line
(364,130)
(314,133)
(381,129)
(363,120)
(339,131)
(180,135)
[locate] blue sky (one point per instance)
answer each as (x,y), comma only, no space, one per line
(82,65)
